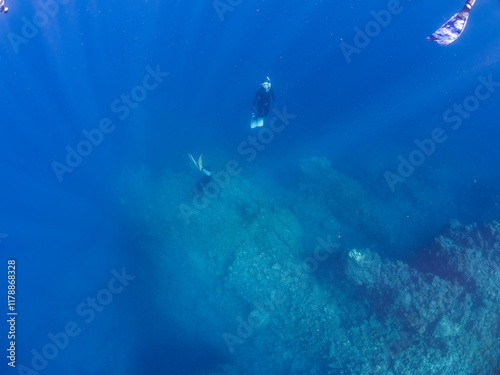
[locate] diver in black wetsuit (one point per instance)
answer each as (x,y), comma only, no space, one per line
(262,100)
(203,181)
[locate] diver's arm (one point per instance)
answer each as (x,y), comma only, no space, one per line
(255,98)
(272,96)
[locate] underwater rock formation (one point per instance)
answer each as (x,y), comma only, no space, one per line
(450,321)
(341,195)
(418,300)
(470,256)
(363,215)
(236,276)
(326,193)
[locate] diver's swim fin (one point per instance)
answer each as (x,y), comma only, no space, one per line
(256,122)
(450,31)
(455,26)
(192,159)
(198,164)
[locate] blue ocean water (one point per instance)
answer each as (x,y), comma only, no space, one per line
(377,141)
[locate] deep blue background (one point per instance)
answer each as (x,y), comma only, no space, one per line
(68,236)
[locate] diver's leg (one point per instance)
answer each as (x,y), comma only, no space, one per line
(265,110)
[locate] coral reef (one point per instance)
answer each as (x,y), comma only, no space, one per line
(266,284)
(450,316)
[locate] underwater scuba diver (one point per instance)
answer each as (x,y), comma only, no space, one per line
(452,29)
(204,180)
(262,103)
(3,8)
